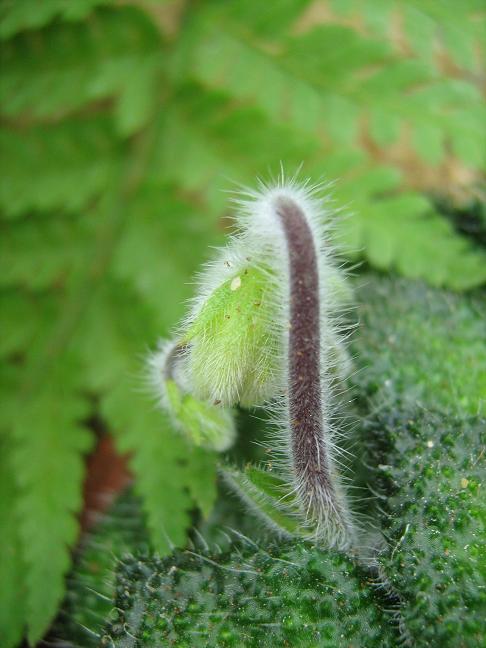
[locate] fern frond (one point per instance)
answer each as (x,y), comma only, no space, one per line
(326,80)
(56,167)
(47,449)
(206,143)
(41,251)
(83,307)
(428,30)
(25,316)
(404,232)
(163,466)
(29,14)
(152,252)
(394,228)
(13,613)
(114,54)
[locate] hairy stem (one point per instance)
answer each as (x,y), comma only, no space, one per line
(311,463)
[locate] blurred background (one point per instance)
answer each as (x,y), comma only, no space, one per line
(123,126)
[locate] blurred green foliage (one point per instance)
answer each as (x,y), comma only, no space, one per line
(121,124)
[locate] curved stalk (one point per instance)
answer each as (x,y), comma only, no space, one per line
(311,460)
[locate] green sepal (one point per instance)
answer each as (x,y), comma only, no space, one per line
(234,342)
(204,424)
(268,497)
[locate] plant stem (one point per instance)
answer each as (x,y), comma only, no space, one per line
(310,451)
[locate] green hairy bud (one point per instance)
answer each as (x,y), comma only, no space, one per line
(263,331)
(234,347)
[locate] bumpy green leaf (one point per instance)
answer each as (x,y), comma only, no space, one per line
(289,594)
(422,356)
(421,345)
(436,524)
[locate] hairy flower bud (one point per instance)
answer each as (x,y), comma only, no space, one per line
(232,343)
(263,331)
(201,422)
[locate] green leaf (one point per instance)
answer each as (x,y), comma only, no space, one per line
(209,54)
(12,569)
(404,233)
(207,144)
(114,54)
(265,495)
(202,482)
(41,251)
(421,346)
(457,29)
(24,317)
(48,444)
(435,521)
(55,167)
(269,20)
(325,91)
(322,80)
(90,586)
(168,471)
(291,593)
(163,242)
(384,126)
(116,328)
(328,55)
(29,14)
